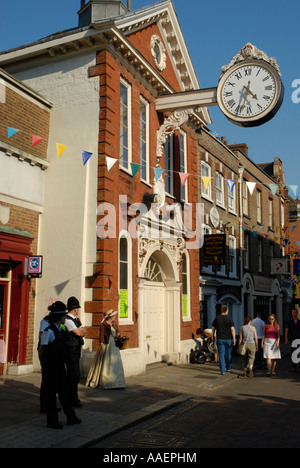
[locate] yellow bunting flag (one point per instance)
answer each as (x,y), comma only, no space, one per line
(60,149)
(206,181)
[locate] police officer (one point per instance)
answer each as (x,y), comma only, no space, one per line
(76,334)
(53,354)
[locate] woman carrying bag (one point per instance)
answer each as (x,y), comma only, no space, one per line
(248,345)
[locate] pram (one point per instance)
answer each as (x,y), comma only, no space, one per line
(204,347)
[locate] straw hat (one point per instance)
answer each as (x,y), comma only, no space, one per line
(110,313)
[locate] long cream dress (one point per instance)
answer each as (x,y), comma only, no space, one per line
(107,369)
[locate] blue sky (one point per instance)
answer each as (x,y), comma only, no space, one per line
(214,32)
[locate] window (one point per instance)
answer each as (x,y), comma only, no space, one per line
(270,218)
(245,199)
(260,255)
(205,172)
(219,189)
(232,256)
(246,249)
(231,199)
(125,271)
(183,166)
(169,158)
(259,207)
(125,125)
(144,140)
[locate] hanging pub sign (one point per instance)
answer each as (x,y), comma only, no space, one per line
(35,267)
(214,250)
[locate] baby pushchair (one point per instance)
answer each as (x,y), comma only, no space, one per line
(202,350)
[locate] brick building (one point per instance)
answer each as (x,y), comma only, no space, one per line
(103,78)
(24,115)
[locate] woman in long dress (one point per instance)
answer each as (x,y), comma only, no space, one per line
(271,344)
(107,369)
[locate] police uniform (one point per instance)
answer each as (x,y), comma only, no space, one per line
(75,343)
(54,355)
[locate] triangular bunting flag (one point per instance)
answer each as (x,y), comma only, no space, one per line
(293,228)
(11,131)
(293,189)
(183,177)
(298,243)
(251,186)
(273,188)
(60,149)
(157,173)
(35,140)
(134,168)
(276,239)
(231,184)
(86,156)
(110,162)
(206,181)
(254,233)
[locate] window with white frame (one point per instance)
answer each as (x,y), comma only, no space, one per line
(231,199)
(144,140)
(186,313)
(270,217)
(183,165)
(125,273)
(169,159)
(125,124)
(232,256)
(205,172)
(259,206)
(245,199)
(219,189)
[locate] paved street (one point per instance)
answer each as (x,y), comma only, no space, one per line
(260,413)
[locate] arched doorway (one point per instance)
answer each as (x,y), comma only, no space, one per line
(159,306)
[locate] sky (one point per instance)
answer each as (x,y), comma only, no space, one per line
(214,32)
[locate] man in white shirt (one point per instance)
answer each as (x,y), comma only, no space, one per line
(77,332)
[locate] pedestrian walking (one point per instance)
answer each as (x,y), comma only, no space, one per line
(271,344)
(248,336)
(292,333)
(75,343)
(107,369)
(44,323)
(52,353)
(223,325)
(258,323)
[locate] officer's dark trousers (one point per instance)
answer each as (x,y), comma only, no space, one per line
(56,382)
(73,372)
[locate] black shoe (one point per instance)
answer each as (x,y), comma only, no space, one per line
(73,420)
(55,425)
(77,404)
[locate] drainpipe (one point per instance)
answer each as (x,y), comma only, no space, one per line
(240,188)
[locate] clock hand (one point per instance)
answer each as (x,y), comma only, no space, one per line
(249,90)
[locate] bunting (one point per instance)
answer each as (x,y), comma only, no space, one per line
(183,177)
(206,181)
(251,186)
(35,140)
(11,132)
(110,162)
(134,168)
(60,149)
(86,156)
(231,184)
(158,172)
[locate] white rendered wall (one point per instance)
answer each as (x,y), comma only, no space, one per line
(67,238)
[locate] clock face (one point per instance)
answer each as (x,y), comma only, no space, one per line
(250,93)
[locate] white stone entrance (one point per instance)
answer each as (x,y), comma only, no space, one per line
(159,306)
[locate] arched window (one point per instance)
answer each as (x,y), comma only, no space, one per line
(125,277)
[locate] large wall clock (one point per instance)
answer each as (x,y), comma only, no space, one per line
(250,91)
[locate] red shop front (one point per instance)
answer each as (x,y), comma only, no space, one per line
(14,299)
